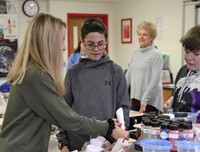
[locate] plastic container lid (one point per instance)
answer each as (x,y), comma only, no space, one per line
(157,144)
(147,122)
(164,116)
(164,126)
(180,114)
(187,144)
(187,126)
(173,127)
(155,124)
(171,115)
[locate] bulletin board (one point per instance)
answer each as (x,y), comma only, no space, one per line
(8,34)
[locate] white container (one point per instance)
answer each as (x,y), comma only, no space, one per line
(187,146)
(155,145)
(192,117)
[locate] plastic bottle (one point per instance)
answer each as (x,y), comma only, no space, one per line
(142,126)
(155,130)
(164,131)
(188,132)
(173,136)
(146,129)
(181,133)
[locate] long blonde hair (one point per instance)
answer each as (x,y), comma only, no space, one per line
(41,45)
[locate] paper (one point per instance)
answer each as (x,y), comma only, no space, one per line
(120,144)
(120,117)
(95,144)
(2,105)
(101,138)
(93,148)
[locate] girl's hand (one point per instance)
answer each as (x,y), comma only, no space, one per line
(117,123)
(65,149)
(120,133)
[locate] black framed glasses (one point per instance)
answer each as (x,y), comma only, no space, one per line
(92,46)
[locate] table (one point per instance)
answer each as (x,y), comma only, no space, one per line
(135,114)
(138,126)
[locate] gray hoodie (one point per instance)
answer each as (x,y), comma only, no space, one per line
(95,89)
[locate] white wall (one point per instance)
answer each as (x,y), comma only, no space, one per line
(170,11)
(61,8)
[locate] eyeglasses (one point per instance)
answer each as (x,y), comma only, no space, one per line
(143,34)
(91,46)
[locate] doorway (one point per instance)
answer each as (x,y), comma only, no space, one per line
(75,21)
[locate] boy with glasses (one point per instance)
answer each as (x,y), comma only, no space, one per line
(96,86)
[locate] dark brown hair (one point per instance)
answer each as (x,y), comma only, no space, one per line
(191,40)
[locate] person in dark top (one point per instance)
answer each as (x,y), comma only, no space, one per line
(96,86)
(186,94)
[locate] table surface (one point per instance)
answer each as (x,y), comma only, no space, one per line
(135,114)
(138,126)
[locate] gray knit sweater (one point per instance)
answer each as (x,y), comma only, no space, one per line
(144,77)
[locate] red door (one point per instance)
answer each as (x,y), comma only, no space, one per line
(75,22)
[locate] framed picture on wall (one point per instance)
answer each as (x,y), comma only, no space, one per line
(126,30)
(8,49)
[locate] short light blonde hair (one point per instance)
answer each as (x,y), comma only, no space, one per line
(42,46)
(149,27)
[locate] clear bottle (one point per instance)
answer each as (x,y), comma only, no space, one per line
(188,132)
(181,133)
(142,125)
(164,131)
(155,130)
(146,129)
(173,136)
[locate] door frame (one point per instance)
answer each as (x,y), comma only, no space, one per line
(83,15)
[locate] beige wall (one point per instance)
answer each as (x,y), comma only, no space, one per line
(169,10)
(171,13)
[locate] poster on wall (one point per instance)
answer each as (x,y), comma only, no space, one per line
(8,27)
(8,34)
(8,49)
(8,7)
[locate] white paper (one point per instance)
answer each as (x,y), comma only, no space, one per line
(101,138)
(2,105)
(120,144)
(120,117)
(93,148)
(96,142)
